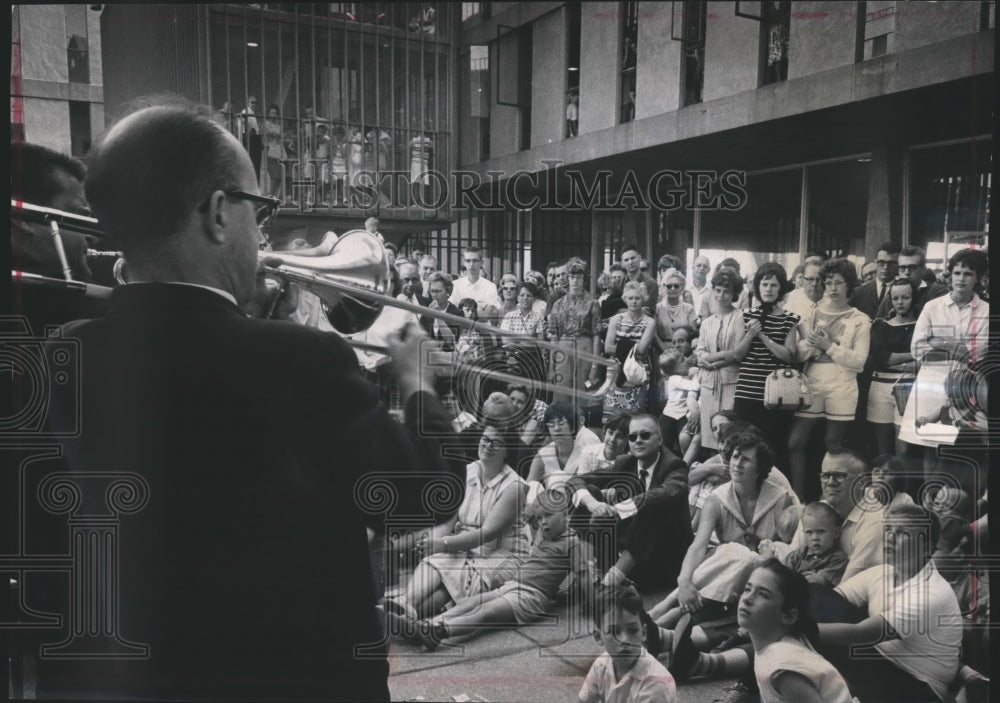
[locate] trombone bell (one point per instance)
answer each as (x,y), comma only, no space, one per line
(358,259)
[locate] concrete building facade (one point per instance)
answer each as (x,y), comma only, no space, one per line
(57,94)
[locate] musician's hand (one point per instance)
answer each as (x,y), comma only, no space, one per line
(412,354)
(265,302)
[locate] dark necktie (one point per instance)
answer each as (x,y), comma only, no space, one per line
(882,292)
(643,476)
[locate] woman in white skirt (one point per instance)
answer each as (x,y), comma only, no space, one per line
(952,331)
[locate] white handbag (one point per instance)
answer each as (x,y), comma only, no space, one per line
(635,374)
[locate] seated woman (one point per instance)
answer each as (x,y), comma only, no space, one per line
(741,513)
(560,458)
(477,550)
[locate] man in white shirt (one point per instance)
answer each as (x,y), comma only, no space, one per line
(802,301)
(907,648)
(699,288)
(473,285)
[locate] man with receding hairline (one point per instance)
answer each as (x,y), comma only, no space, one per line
(248,572)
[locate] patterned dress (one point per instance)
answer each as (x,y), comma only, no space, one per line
(624,398)
(573,322)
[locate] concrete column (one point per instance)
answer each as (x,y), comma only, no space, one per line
(600,62)
(885,199)
(822,36)
(548,84)
(658,60)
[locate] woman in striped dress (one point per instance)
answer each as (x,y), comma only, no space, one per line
(769,343)
(716,351)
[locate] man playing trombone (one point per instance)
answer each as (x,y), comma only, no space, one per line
(247,571)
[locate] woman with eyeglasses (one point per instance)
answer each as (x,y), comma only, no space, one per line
(560,458)
(833,343)
(741,513)
(893,364)
(770,343)
(574,323)
(477,550)
(628,330)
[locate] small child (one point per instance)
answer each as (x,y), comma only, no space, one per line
(821,560)
(681,392)
(626,671)
(558,555)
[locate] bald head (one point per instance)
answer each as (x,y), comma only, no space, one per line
(155,168)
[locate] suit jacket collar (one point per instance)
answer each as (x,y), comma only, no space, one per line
(769,496)
(658,473)
(147,297)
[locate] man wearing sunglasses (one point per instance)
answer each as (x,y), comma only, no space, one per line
(642,499)
(245,564)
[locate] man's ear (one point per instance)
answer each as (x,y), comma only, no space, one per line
(216,217)
(597,637)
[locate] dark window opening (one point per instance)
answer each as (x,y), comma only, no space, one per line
(775,22)
(879,45)
(693,43)
(525,35)
(572,68)
(77,59)
(79,128)
(630,41)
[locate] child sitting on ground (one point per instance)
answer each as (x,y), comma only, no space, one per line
(821,560)
(626,671)
(681,392)
(558,553)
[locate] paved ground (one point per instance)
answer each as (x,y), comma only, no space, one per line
(535,664)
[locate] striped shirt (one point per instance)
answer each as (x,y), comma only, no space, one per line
(759,361)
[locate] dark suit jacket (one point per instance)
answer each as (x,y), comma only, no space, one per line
(865,298)
(668,482)
(247,572)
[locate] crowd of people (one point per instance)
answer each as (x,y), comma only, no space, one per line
(645,415)
(598,446)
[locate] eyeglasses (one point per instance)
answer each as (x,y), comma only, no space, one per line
(643,435)
(491,443)
(508,287)
(833,477)
(267,207)
(672,286)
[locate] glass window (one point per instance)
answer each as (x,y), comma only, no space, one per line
(765,229)
(630,40)
(79,127)
(572,68)
(474,108)
(695,14)
(950,189)
(838,207)
(77,59)
(775,21)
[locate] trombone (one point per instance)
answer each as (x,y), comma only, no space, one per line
(353,281)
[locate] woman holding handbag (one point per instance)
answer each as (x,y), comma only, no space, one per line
(895,369)
(716,351)
(768,344)
(630,334)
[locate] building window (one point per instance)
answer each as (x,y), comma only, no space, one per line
(880,23)
(572,68)
(775,22)
(79,127)
(77,58)
(475,104)
(950,190)
(630,41)
(693,46)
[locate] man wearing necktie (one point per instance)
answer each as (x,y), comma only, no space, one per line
(867,297)
(640,500)
(410,278)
